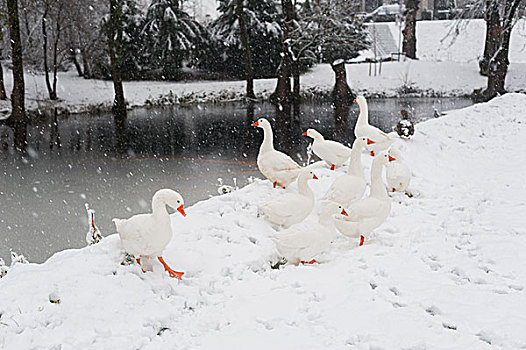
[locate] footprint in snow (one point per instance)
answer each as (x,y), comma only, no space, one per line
(433,310)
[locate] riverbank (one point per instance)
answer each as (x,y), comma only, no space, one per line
(397,79)
(444,271)
(447,67)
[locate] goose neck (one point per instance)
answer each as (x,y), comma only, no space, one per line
(363,117)
(268,139)
(355,163)
(377,185)
(303,187)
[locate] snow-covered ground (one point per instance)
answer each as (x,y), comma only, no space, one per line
(443,69)
(446,271)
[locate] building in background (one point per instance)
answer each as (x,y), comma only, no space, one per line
(428,9)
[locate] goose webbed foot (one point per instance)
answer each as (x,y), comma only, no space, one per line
(172,273)
(139,263)
(313,261)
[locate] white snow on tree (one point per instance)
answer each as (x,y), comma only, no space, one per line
(93,236)
(327,30)
(264,34)
(172,37)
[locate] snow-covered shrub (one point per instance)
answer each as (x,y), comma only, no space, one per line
(18,259)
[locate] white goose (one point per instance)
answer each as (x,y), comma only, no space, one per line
(292,208)
(368,213)
(276,166)
(363,129)
(146,235)
(332,152)
(397,173)
(302,242)
(351,186)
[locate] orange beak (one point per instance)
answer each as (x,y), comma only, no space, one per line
(181,210)
(344,212)
(391,158)
(305,133)
(400,112)
(314,177)
(369,141)
(354,100)
(256,123)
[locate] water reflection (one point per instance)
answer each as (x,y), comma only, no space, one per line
(72,160)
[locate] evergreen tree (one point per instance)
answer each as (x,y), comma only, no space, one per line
(264,34)
(329,30)
(172,37)
(133,53)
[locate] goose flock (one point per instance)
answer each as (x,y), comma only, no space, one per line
(343,208)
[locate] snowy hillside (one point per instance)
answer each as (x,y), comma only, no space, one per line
(445,271)
(440,40)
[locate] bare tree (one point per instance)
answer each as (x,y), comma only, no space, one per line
(409,43)
(48,7)
(18,117)
(115,49)
(3,95)
(83,33)
(493,30)
(499,62)
(282,92)
(245,45)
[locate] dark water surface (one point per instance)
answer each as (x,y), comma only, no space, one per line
(73,162)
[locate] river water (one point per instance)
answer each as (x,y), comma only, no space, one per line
(72,162)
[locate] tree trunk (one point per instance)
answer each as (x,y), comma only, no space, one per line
(73,58)
(342,97)
(342,93)
(409,43)
(498,65)
(3,95)
(296,98)
(18,112)
(493,32)
(55,52)
(85,63)
(283,87)
(44,49)
(245,45)
(115,48)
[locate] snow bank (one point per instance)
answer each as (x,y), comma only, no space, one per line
(445,271)
(460,41)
